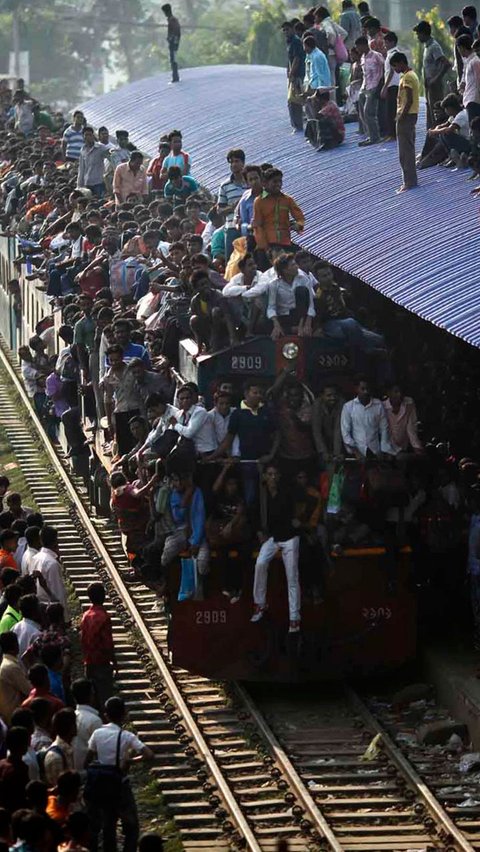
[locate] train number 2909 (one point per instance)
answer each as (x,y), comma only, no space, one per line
(246,363)
(211,616)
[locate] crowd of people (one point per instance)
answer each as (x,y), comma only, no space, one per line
(383,89)
(64,748)
(136,256)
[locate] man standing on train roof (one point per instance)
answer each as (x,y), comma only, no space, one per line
(272,211)
(174,33)
(295,75)
(407,115)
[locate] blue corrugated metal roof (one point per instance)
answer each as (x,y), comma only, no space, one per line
(420,249)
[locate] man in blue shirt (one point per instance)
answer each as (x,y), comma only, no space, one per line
(244,208)
(254,426)
(179,187)
(187,508)
(317,69)
(295,75)
(122,331)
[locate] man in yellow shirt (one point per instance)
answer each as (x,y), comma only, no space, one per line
(407,115)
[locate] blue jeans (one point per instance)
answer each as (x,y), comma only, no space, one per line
(349,330)
(97,190)
(172,50)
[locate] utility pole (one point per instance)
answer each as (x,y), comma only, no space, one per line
(16,39)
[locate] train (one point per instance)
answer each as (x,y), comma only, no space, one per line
(362,626)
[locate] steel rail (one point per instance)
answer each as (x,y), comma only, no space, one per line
(291,773)
(438,813)
(201,744)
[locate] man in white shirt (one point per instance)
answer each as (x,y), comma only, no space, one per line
(219,415)
(390,88)
(88,720)
(32,536)
(105,744)
(29,627)
(470,85)
(47,563)
(192,421)
(364,425)
(290,299)
(159,414)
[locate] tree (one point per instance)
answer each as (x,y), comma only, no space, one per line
(266,44)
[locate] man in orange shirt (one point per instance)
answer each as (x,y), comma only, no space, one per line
(272,211)
(8,546)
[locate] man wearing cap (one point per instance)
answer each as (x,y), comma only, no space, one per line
(295,75)
(435,65)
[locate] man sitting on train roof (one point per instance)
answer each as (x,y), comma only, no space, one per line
(210,320)
(290,299)
(246,294)
(333,314)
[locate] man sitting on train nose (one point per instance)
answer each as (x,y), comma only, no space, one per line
(278,534)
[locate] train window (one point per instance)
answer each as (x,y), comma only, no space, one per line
(211,616)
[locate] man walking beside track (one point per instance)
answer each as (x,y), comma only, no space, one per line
(407,115)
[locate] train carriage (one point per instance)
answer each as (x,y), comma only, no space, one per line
(361,627)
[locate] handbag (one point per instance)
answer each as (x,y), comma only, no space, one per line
(334,503)
(295,92)
(103,786)
(189,579)
(341,52)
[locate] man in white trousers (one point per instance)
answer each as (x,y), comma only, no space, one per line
(278,534)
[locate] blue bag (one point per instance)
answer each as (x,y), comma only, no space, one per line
(189,580)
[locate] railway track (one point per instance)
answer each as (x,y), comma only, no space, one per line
(230,778)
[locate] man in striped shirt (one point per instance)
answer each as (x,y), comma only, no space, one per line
(72,140)
(230,193)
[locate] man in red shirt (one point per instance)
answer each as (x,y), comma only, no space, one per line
(97,644)
(40,680)
(327,128)
(154,169)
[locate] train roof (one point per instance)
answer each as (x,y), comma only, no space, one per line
(420,249)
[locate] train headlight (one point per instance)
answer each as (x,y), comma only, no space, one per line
(290,351)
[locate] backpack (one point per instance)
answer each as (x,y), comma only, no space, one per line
(122,275)
(41,755)
(104,782)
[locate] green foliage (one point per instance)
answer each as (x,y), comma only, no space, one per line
(219,38)
(266,44)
